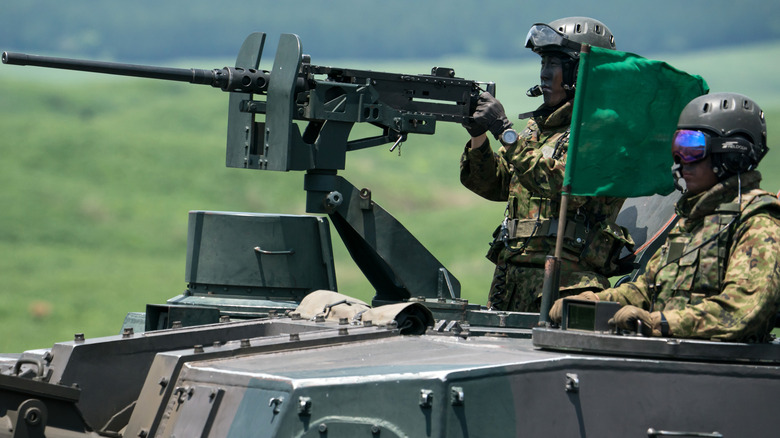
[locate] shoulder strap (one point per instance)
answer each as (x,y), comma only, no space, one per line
(731,215)
(760,201)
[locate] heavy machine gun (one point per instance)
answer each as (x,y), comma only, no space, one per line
(329,99)
(265,114)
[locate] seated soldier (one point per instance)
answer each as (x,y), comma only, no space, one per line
(718,274)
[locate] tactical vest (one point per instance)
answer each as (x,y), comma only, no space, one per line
(593,243)
(698,261)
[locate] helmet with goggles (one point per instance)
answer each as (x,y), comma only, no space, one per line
(563,38)
(566,35)
(728,127)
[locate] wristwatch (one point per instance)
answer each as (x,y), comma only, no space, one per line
(509,137)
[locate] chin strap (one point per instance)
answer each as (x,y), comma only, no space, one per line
(677,174)
(739,188)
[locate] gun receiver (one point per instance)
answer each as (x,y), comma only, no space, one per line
(264,113)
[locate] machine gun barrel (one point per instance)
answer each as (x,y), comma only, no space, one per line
(227,78)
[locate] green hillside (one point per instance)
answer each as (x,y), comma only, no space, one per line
(98,175)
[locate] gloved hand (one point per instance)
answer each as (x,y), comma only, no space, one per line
(627,317)
(489,116)
(556,311)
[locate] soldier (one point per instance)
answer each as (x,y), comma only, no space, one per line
(527,173)
(718,274)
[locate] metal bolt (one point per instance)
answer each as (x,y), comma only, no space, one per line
(572,382)
(334,199)
(32,416)
(322,428)
(426,398)
(457,396)
(276,402)
(304,405)
(375,429)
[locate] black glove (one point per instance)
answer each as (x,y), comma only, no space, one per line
(627,317)
(489,116)
(474,129)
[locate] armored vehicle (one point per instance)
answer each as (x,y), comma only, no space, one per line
(261,344)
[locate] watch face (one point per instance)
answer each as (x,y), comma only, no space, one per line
(509,136)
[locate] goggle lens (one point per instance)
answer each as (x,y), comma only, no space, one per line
(689,146)
(544,37)
(541,35)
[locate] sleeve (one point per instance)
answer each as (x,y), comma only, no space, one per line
(484,172)
(745,308)
(636,293)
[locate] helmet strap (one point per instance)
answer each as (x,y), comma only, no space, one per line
(569,68)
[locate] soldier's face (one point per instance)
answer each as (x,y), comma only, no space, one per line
(552,81)
(698,176)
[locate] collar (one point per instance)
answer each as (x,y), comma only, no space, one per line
(546,118)
(697,206)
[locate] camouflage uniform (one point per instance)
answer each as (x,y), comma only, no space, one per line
(717,279)
(529,176)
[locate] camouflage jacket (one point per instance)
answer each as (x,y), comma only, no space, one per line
(529,176)
(718,273)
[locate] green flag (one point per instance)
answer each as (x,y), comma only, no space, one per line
(625,114)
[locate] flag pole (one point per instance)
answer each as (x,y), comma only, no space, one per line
(552,264)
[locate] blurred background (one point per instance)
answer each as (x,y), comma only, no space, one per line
(98,173)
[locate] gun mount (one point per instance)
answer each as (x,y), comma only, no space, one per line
(264,110)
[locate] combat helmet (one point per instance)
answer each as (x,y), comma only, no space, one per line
(566,35)
(563,38)
(730,127)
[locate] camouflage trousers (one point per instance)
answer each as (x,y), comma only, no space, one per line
(518,288)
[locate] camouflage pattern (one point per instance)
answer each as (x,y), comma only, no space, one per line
(715,280)
(529,176)
(518,288)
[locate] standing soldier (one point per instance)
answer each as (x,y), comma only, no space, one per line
(718,274)
(527,173)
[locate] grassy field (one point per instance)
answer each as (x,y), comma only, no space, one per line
(97,176)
